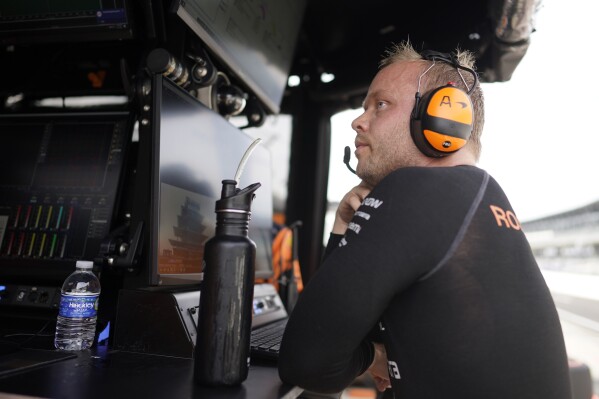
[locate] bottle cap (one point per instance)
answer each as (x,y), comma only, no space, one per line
(84,264)
(234,199)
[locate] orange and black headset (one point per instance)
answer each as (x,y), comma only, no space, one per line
(442,119)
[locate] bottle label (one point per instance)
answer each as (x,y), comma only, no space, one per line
(78,305)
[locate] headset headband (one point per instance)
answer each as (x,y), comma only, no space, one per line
(431,55)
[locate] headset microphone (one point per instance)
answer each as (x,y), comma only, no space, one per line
(346,157)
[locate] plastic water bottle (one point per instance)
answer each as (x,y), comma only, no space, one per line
(77,314)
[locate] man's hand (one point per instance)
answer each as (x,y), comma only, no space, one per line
(348,206)
(379,369)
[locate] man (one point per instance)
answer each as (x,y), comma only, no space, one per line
(428,281)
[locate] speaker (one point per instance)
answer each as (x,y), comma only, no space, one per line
(442,119)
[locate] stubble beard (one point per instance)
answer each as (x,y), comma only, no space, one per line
(379,164)
(372,171)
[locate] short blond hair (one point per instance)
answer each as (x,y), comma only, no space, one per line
(439,75)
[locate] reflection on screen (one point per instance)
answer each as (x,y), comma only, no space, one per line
(74,158)
(198,149)
(184,229)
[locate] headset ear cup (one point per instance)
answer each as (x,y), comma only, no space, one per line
(443,121)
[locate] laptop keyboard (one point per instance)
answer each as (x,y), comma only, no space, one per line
(265,341)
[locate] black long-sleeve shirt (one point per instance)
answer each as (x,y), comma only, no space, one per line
(435,258)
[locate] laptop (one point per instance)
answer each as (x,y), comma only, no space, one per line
(268,322)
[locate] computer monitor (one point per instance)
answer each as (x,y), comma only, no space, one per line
(256,40)
(195,149)
(59,178)
(33,21)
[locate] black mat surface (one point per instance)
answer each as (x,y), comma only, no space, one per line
(26,359)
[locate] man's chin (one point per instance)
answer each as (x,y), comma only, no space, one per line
(367,177)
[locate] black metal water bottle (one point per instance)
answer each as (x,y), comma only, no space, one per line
(224,324)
